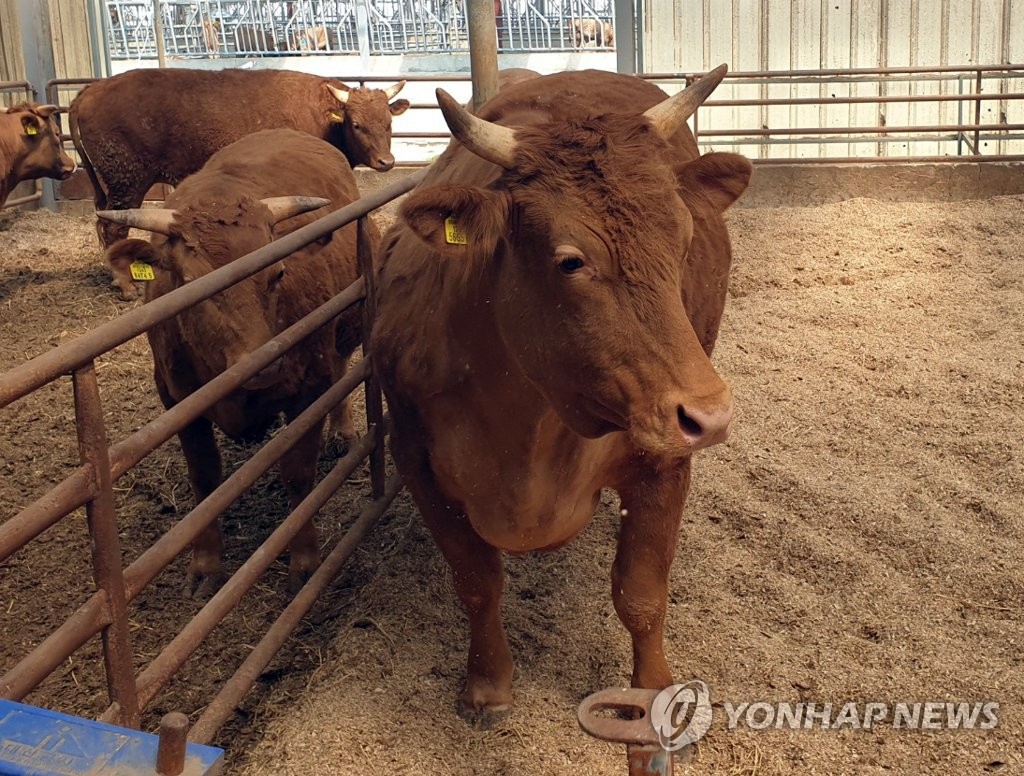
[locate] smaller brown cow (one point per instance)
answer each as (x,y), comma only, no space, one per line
(586,30)
(30,147)
(238,202)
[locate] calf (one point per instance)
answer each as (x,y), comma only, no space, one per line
(228,209)
(30,147)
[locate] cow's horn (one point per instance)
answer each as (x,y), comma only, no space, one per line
(669,115)
(47,109)
(340,95)
(149,219)
(286,207)
(392,91)
(492,142)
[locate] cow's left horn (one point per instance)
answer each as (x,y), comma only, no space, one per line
(492,142)
(148,219)
(286,207)
(339,95)
(669,115)
(392,91)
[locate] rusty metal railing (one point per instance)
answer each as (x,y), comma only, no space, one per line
(23,89)
(106,611)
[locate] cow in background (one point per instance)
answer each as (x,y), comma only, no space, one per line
(159,126)
(311,39)
(238,202)
(547,305)
(30,147)
(586,30)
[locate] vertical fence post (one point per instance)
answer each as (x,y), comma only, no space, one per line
(106,547)
(977,116)
(374,401)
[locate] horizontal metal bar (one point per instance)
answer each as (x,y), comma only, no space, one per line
(890,98)
(860,130)
(30,375)
(89,619)
(128,452)
(171,544)
(76,489)
(174,655)
(24,200)
(870,160)
(841,71)
(223,705)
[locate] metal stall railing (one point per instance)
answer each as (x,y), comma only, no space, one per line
(105,612)
(12,92)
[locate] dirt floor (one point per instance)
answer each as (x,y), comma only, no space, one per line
(860,537)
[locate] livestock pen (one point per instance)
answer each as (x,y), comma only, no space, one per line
(859,538)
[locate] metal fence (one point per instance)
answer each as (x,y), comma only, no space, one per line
(264,28)
(106,612)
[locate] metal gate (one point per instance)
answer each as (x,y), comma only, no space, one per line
(105,613)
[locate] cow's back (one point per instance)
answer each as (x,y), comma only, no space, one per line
(172,121)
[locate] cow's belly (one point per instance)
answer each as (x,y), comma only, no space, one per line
(522,494)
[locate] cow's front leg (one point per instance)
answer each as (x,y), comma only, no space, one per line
(298,472)
(652,503)
(206,570)
(478,576)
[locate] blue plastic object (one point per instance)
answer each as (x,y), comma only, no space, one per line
(39,742)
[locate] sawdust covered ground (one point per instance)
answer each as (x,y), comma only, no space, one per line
(859,537)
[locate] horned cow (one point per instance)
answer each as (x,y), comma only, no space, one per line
(240,200)
(547,306)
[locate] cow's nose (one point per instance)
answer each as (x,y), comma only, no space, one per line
(705,425)
(384,163)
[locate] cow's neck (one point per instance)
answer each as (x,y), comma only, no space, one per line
(498,442)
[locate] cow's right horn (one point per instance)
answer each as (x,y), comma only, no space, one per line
(286,207)
(392,91)
(492,142)
(669,115)
(148,219)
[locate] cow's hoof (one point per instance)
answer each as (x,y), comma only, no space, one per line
(297,578)
(201,587)
(337,444)
(485,718)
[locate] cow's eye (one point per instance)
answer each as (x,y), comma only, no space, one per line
(356,125)
(571,264)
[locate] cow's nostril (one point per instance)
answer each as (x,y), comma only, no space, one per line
(689,426)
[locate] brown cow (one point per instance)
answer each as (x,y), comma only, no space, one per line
(547,306)
(224,211)
(30,147)
(586,30)
(311,39)
(148,126)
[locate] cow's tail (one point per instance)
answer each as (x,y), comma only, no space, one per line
(99,191)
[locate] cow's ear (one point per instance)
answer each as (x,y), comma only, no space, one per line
(122,254)
(719,178)
(398,107)
(457,221)
(31,124)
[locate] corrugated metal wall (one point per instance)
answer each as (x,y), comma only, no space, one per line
(69,33)
(750,35)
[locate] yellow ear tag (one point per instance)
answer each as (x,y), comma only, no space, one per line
(336,117)
(31,129)
(453,235)
(141,271)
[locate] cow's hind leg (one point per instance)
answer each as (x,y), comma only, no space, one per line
(478,577)
(298,472)
(653,506)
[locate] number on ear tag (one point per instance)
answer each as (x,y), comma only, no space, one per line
(141,271)
(31,129)
(453,235)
